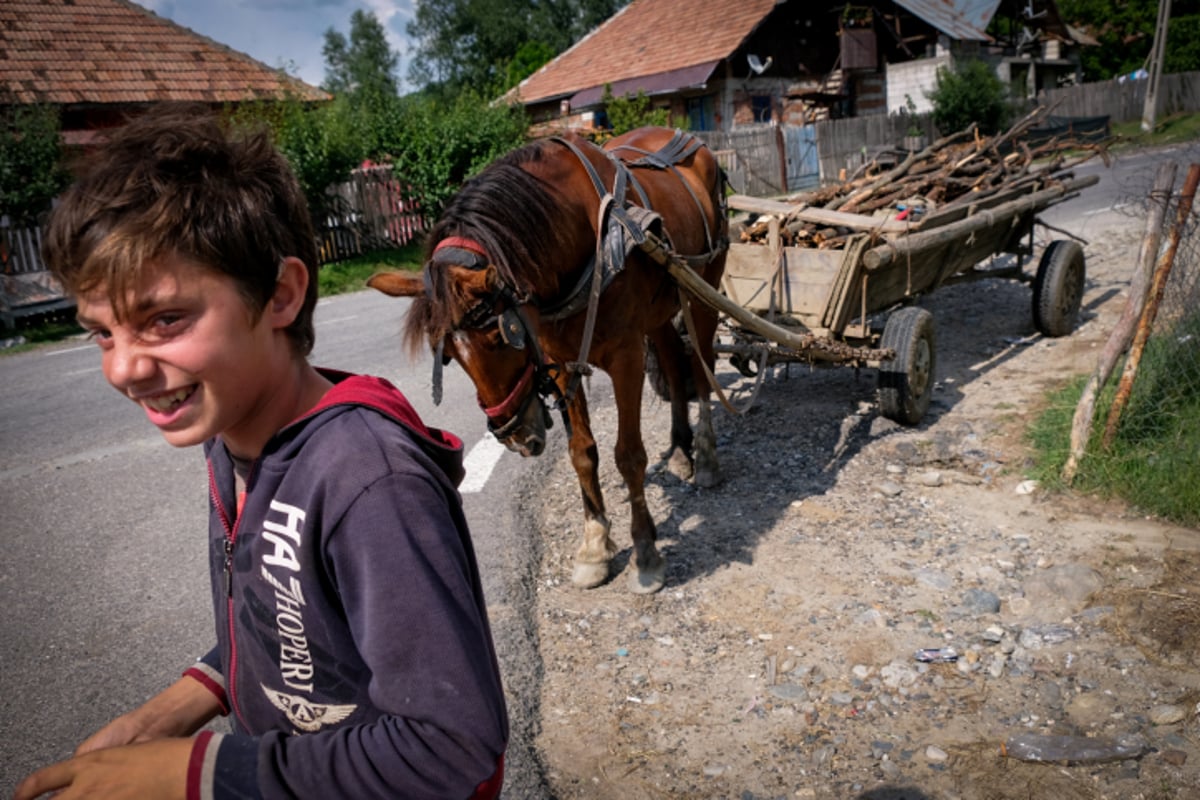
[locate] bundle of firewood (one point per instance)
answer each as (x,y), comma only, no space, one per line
(963,168)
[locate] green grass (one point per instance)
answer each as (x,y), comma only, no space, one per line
(1154,458)
(1167,130)
(337,278)
(351,275)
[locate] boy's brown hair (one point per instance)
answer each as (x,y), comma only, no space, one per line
(177,182)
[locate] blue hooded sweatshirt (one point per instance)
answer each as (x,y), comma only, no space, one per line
(353,649)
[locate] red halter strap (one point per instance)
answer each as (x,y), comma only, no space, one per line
(511,404)
(463,244)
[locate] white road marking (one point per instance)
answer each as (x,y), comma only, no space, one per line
(479,463)
(1116,207)
(336,319)
(71,350)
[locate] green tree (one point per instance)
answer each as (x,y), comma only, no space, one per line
(970,92)
(472,43)
(364,65)
(31,166)
(436,146)
(1125,31)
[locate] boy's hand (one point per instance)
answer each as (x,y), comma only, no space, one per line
(150,771)
(180,710)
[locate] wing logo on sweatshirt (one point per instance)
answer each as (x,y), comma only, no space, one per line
(306,716)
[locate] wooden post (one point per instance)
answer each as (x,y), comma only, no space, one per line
(1161,273)
(1122,333)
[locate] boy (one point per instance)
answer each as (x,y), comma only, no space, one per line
(353,648)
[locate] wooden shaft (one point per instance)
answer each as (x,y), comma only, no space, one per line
(688,280)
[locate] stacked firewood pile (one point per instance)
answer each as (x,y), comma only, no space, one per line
(963,168)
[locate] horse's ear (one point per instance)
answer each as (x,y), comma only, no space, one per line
(397,284)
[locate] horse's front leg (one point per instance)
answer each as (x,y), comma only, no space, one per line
(597,549)
(649,567)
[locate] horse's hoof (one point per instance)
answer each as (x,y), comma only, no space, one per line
(589,576)
(680,465)
(707,478)
(648,581)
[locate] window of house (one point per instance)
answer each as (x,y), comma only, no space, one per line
(761,104)
(700,113)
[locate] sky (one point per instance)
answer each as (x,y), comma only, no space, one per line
(286,34)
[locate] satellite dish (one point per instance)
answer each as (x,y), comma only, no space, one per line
(755,64)
(1029,13)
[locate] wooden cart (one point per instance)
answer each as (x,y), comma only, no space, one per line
(825,306)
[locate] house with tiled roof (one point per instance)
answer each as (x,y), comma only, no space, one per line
(99,61)
(726,63)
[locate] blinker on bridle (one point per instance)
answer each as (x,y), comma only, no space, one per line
(515,331)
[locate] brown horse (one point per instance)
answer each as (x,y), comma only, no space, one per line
(534,271)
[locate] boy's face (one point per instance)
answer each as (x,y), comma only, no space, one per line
(191,354)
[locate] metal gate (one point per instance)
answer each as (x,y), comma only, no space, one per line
(803,166)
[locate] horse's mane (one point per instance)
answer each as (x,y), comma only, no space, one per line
(517,218)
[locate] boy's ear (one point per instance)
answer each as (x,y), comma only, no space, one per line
(290,289)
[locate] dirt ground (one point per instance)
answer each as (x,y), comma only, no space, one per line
(779,661)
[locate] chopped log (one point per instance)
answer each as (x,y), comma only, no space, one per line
(915,244)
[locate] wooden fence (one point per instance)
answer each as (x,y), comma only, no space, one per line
(1179,93)
(752,156)
(367,213)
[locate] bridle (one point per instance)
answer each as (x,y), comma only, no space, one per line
(539,379)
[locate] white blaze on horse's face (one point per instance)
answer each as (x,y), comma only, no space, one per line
(515,412)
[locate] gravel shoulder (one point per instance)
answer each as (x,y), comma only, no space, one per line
(779,660)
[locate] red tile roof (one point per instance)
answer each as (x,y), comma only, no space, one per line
(113,51)
(648,37)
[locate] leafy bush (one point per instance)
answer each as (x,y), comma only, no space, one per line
(633,111)
(970,92)
(31,168)
(434,147)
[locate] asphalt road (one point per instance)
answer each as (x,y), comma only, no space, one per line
(104,583)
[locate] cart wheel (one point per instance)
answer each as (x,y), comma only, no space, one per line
(906,382)
(1058,288)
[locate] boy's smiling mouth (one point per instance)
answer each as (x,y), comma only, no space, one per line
(167,401)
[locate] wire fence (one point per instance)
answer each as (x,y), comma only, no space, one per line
(1144,439)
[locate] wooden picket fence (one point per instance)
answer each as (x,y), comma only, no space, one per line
(367,213)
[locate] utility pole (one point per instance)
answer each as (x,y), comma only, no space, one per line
(1157,52)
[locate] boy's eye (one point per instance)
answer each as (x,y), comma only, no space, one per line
(99,335)
(162,325)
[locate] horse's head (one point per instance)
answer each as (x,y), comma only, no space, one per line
(467,312)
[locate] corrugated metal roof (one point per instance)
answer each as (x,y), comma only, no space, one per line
(959,19)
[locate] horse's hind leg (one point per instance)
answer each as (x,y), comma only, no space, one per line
(704,452)
(649,567)
(670,357)
(597,549)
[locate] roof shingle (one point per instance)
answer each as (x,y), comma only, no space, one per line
(113,51)
(648,37)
